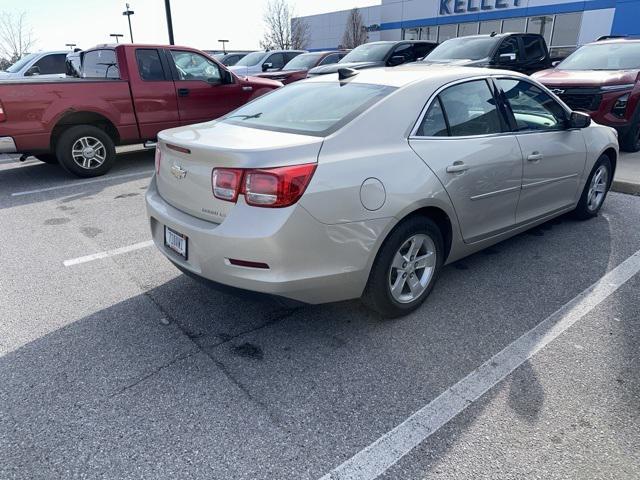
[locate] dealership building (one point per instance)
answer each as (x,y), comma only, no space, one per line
(564,24)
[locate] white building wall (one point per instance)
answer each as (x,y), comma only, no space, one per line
(326,30)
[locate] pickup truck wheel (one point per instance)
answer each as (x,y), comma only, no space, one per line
(86,151)
(47,158)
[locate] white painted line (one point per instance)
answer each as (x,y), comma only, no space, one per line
(107,253)
(376,458)
(80,183)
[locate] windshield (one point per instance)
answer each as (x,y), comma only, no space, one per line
(303,62)
(16,67)
(314,108)
(369,52)
(250,60)
(463,48)
(604,56)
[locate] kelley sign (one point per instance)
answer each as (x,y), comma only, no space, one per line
(447,7)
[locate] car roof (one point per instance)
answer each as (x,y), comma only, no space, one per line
(403,75)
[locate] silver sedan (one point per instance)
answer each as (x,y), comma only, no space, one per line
(364,184)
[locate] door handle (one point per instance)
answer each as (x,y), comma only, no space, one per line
(535,156)
(183,92)
(457,167)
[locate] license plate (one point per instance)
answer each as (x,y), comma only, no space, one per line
(176,241)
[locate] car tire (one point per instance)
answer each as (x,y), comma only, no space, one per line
(402,276)
(595,189)
(630,141)
(49,158)
(86,151)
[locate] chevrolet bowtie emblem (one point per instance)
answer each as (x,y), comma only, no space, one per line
(557,91)
(178,172)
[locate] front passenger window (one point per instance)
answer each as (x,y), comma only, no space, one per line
(471,109)
(532,108)
(192,66)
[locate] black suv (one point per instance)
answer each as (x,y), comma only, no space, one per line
(379,54)
(521,52)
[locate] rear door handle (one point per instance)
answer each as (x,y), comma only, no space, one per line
(535,156)
(183,92)
(457,167)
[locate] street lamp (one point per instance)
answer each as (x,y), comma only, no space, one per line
(128,13)
(116,36)
(167,8)
(70,45)
(224,42)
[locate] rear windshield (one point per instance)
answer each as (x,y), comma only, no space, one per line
(309,108)
(470,48)
(604,56)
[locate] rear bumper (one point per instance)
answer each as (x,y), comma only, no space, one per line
(7,145)
(308,261)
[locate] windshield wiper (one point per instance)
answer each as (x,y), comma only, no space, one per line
(246,117)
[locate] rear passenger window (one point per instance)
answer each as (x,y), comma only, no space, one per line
(433,124)
(533,49)
(149,64)
(470,109)
(100,64)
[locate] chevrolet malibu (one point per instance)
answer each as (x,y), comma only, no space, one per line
(364,184)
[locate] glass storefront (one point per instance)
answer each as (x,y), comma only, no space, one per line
(559,31)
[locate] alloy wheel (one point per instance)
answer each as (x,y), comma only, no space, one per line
(598,188)
(88,152)
(412,268)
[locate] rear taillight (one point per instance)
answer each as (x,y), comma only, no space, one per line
(3,116)
(158,159)
(226,183)
(271,187)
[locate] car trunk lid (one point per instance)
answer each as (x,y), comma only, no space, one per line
(189,155)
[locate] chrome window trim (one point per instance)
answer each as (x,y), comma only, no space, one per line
(498,76)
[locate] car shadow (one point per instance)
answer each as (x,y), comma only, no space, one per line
(36,175)
(186,380)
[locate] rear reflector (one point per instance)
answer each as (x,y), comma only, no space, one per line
(247,263)
(272,187)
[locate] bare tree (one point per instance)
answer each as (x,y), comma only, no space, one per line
(282,30)
(355,32)
(16,38)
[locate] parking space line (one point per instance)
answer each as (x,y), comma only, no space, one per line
(387,450)
(80,183)
(107,253)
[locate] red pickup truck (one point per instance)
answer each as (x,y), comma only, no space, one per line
(126,95)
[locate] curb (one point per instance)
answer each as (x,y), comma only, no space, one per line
(626,187)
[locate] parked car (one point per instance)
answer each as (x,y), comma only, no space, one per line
(379,54)
(37,65)
(297,68)
(520,52)
(228,58)
(306,194)
(268,61)
(127,94)
(602,79)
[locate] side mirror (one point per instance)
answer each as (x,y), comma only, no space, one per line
(34,70)
(506,58)
(396,60)
(579,120)
(267,66)
(226,76)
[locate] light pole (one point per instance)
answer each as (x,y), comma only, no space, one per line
(70,45)
(116,36)
(224,42)
(128,13)
(167,8)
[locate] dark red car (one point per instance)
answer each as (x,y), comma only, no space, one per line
(602,79)
(127,94)
(297,68)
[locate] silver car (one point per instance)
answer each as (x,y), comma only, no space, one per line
(365,184)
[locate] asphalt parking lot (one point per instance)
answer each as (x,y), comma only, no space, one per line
(523,363)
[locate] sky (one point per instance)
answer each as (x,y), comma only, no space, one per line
(196,23)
